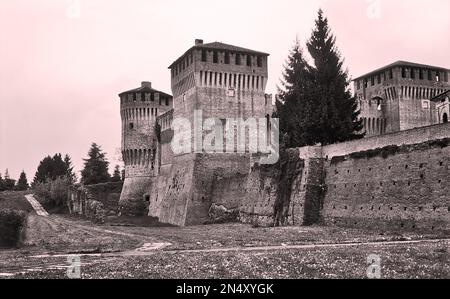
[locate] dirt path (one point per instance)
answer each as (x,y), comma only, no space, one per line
(36,205)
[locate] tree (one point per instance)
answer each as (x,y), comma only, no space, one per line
(95,167)
(315,105)
(22,183)
(338,113)
(2,183)
(8,182)
(71,176)
(50,168)
(117,175)
(294,100)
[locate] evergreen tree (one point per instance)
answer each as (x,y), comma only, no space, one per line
(72,177)
(95,167)
(337,109)
(116,176)
(2,183)
(8,182)
(294,100)
(50,168)
(315,105)
(22,183)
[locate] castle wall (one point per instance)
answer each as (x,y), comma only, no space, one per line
(408,189)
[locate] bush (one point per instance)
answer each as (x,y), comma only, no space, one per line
(12,223)
(54,192)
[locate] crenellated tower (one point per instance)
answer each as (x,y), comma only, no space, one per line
(139,109)
(222,82)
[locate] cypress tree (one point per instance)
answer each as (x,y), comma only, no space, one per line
(337,118)
(95,167)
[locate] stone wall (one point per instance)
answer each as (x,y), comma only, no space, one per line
(402,187)
(95,201)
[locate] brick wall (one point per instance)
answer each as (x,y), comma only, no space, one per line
(406,190)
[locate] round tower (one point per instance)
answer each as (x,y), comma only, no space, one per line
(139,109)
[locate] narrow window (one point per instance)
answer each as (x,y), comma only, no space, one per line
(446,76)
(358,84)
(421,74)
(391,74)
(152,97)
(238,59)
(379,78)
(413,73)
(430,75)
(215,57)
(167,101)
(259,61)
(249,60)
(227,58)
(204,55)
(403,72)
(438,76)
(372,81)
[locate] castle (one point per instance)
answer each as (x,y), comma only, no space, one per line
(402,96)
(221,81)
(224,82)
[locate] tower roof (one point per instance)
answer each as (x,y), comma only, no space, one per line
(218,46)
(401,63)
(145,87)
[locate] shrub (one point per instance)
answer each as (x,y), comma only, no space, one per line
(12,223)
(54,192)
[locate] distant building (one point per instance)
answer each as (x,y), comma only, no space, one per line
(398,97)
(442,107)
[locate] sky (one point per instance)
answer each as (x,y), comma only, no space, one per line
(63,62)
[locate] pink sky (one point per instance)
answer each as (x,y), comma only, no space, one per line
(60,72)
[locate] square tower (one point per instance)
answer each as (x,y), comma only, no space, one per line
(397,97)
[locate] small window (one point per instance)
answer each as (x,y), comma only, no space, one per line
(215,57)
(365,82)
(238,59)
(152,97)
(249,60)
(227,58)
(391,74)
(446,76)
(204,55)
(403,72)
(167,101)
(259,61)
(379,78)
(421,74)
(358,84)
(430,75)
(438,77)
(372,81)
(413,74)
(131,126)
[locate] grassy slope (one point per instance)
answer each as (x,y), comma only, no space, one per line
(15,201)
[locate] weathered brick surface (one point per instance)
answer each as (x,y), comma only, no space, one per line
(407,190)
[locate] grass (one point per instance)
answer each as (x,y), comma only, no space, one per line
(397,261)
(15,201)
